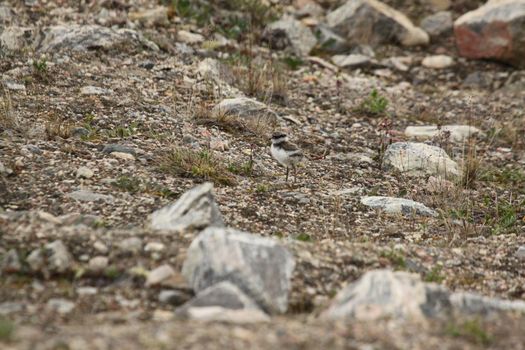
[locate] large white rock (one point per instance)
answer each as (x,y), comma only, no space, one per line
(258,266)
(380,294)
(372,22)
(195,209)
(413,158)
(458,133)
(398,206)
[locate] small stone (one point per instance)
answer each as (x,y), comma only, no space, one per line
(154,247)
(123,156)
(189,38)
(220,314)
(159,275)
(7,308)
(100,247)
(131,245)
(151,17)
(79,132)
(58,257)
(520,253)
(112,147)
(398,206)
(62,306)
(351,61)
(11,262)
(85,172)
(35,259)
(438,62)
(98,263)
(93,90)
(86,291)
(88,196)
(15,86)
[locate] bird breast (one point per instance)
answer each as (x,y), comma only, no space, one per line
(281,155)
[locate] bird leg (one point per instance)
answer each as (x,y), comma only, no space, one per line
(287,170)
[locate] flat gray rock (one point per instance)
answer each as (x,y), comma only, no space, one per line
(398,206)
(259,266)
(351,61)
(88,196)
(114,147)
(223,294)
(76,37)
(413,158)
(194,210)
(402,296)
(374,23)
(243,107)
(457,133)
(290,32)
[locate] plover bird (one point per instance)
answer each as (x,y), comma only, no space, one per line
(286,153)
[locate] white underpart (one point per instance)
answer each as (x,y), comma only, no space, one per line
(284,157)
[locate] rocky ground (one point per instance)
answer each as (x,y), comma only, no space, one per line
(109,113)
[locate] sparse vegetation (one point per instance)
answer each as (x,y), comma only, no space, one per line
(472,330)
(395,257)
(134,185)
(201,164)
(57,127)
(7,116)
(303,237)
(374,105)
(434,275)
(7,329)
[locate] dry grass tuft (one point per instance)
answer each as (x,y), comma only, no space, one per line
(56,127)
(257,128)
(201,164)
(8,119)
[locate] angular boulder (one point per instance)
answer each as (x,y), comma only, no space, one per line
(398,206)
(258,266)
(402,296)
(76,37)
(413,158)
(374,23)
(290,32)
(495,31)
(194,210)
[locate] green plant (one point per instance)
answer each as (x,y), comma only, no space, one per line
(502,214)
(293,62)
(434,275)
(199,164)
(128,183)
(40,65)
(7,329)
(395,257)
(374,105)
(112,272)
(245,169)
(262,188)
(473,330)
(122,131)
(303,237)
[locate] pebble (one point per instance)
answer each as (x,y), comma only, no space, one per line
(131,245)
(85,291)
(98,263)
(520,253)
(112,147)
(160,274)
(154,247)
(60,305)
(438,62)
(85,172)
(88,196)
(100,247)
(123,156)
(173,297)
